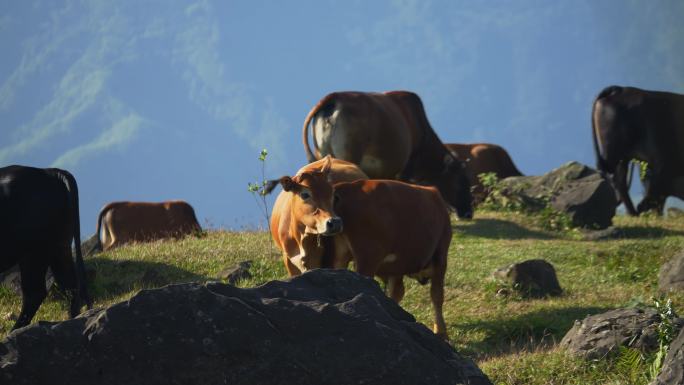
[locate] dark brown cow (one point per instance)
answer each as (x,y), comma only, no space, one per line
(299,218)
(388,135)
(389,229)
(630,123)
(482,158)
(125,222)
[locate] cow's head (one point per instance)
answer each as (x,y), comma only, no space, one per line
(454,185)
(312,203)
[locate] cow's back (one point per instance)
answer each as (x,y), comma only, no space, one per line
(34,205)
(181,217)
(623,116)
(485,157)
(125,222)
(367,129)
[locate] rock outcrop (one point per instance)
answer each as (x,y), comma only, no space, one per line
(574,189)
(672,371)
(601,334)
(324,327)
(671,276)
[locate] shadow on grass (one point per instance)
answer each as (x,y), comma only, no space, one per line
(527,332)
(113,278)
(644,232)
(499,229)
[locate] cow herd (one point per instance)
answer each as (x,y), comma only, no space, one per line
(377,192)
(39,219)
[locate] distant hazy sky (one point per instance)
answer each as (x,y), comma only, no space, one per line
(156,100)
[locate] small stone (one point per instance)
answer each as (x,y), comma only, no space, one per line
(531,278)
(234,274)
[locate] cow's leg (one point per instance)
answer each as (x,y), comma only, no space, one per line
(292,270)
(437,297)
(364,263)
(654,192)
(620,185)
(364,252)
(395,287)
(65,275)
(342,254)
(32,289)
(654,203)
(439,265)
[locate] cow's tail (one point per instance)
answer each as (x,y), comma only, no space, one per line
(307,121)
(98,230)
(606,92)
(70,182)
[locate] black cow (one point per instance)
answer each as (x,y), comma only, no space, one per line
(630,123)
(38,220)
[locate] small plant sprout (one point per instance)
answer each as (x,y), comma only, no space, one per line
(666,333)
(258,189)
(643,168)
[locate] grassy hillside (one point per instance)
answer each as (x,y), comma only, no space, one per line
(510,338)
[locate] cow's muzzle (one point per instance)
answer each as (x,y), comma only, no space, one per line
(333,226)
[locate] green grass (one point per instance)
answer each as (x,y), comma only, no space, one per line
(512,339)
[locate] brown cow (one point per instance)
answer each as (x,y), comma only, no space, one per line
(483,158)
(388,228)
(388,135)
(124,222)
(300,217)
(394,229)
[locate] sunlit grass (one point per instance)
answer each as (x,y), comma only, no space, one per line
(512,339)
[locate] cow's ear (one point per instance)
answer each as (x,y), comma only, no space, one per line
(288,184)
(327,164)
(452,163)
(457,158)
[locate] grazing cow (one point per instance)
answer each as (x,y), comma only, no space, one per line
(483,158)
(388,135)
(630,123)
(125,222)
(302,214)
(38,221)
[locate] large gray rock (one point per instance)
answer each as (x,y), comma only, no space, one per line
(671,276)
(533,278)
(573,188)
(672,372)
(601,334)
(324,327)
